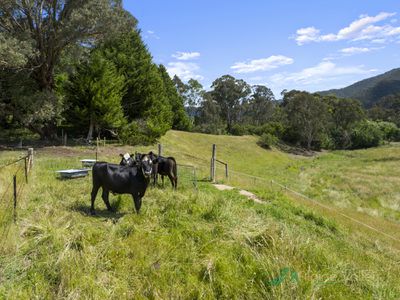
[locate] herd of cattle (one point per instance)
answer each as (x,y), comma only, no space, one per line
(131,176)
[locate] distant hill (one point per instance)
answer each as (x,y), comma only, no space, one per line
(370,90)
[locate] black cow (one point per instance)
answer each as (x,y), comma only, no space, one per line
(121,180)
(165,166)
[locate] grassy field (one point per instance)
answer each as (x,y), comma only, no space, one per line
(203,243)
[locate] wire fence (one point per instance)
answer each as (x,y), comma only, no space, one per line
(13,181)
(247,181)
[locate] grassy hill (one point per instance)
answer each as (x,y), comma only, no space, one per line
(203,243)
(370,90)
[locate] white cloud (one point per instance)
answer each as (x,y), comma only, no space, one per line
(186,55)
(263,64)
(361,29)
(354,50)
(323,72)
(184,70)
(151,34)
(358,50)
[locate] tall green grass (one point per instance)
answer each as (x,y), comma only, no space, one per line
(193,243)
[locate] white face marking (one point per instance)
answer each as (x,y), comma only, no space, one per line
(127,156)
(146,158)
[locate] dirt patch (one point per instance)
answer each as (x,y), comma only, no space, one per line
(249,195)
(64,151)
(90,151)
(223,187)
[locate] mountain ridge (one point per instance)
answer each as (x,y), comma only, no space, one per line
(370,90)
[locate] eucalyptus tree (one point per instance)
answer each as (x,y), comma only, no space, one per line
(230,93)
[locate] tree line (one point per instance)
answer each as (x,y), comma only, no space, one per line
(300,118)
(82,67)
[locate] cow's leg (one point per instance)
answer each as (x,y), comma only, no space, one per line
(154,179)
(104,195)
(162,178)
(137,198)
(95,189)
(172,179)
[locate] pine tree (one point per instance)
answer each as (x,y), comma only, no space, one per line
(95,92)
(145,102)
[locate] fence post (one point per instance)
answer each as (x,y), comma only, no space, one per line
(30,159)
(104,141)
(65,139)
(15,197)
(226,171)
(26,169)
(160,149)
(214,150)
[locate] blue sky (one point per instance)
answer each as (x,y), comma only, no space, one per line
(307,45)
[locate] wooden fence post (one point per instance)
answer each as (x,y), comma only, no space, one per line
(214,150)
(30,159)
(160,149)
(15,197)
(65,139)
(26,169)
(226,171)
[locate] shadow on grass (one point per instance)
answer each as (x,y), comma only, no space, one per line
(101,212)
(384,159)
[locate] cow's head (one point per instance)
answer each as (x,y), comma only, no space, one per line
(153,157)
(146,164)
(127,160)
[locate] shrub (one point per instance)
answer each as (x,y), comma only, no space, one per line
(389,130)
(238,129)
(366,134)
(267,140)
(138,133)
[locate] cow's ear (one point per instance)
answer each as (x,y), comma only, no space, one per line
(121,155)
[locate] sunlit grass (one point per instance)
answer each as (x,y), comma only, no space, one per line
(202,243)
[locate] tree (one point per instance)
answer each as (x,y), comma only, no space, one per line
(259,108)
(44,29)
(387,109)
(145,103)
(180,118)
(229,93)
(95,94)
(307,117)
(33,37)
(192,94)
(209,118)
(344,114)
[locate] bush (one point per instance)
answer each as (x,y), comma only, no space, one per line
(390,131)
(267,140)
(138,133)
(239,130)
(366,134)
(276,129)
